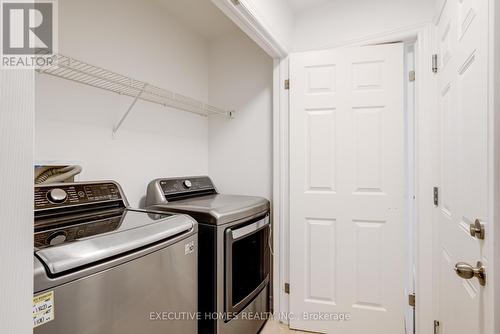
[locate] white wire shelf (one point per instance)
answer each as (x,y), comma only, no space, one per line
(78,71)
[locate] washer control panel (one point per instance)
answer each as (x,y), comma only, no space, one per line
(186,185)
(54,196)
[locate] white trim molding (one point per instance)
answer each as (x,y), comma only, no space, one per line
(426,176)
(246,17)
(494,163)
(396,35)
(17,111)
(280,187)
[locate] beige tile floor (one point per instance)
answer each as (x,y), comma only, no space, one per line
(274,327)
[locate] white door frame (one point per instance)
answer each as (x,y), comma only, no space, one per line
(494,164)
(425,178)
(17,115)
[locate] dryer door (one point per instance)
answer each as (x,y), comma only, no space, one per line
(247,264)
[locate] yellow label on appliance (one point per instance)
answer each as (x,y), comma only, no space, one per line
(43,308)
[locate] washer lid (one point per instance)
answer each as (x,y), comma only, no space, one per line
(132,234)
(217,209)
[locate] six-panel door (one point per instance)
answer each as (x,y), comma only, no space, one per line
(462,35)
(347,186)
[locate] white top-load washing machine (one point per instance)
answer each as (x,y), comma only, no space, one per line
(234,251)
(103,268)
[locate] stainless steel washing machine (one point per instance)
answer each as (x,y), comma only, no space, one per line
(234,251)
(101,267)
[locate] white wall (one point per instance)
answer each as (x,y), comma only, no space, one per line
(74,122)
(338,22)
(240,150)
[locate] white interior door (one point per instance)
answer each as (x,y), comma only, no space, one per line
(347,234)
(463,101)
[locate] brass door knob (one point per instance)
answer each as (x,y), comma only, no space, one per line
(466,271)
(477,229)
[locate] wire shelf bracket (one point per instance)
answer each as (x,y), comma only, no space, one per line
(78,71)
(115,129)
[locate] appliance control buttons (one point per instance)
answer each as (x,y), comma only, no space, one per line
(57,195)
(56,238)
(187,184)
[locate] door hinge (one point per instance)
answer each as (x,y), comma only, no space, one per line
(287,288)
(435,63)
(411,299)
(436,196)
(436,326)
(411,76)
(287,84)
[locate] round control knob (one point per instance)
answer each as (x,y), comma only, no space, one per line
(57,195)
(187,184)
(56,238)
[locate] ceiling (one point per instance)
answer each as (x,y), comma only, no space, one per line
(200,16)
(302,5)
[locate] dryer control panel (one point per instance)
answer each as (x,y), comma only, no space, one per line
(185,187)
